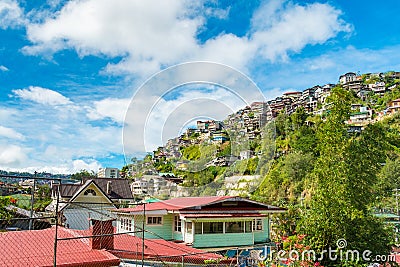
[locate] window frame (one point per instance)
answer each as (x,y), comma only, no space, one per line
(188,229)
(213,228)
(177,224)
(258,227)
(159,220)
(90,192)
(126,224)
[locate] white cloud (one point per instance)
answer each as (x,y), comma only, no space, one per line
(148,31)
(59,133)
(291,27)
(148,36)
(11,156)
(78,165)
(3,68)
(167,117)
(72,166)
(42,96)
(217,12)
(11,15)
(11,133)
(114,108)
(6,113)
(228,49)
(152,34)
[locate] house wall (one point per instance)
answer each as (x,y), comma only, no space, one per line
(89,198)
(205,240)
(262,236)
(78,217)
(177,236)
(163,231)
(233,239)
(94,205)
(222,240)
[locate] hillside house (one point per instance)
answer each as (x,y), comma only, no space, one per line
(378,87)
(203,222)
(108,173)
(393,106)
(348,77)
(360,115)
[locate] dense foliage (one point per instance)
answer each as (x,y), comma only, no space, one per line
(345,174)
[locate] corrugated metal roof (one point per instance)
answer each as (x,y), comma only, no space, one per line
(132,246)
(36,248)
(213,203)
(175,203)
(120,188)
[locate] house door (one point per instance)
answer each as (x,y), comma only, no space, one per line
(188,232)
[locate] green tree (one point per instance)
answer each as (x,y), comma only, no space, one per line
(83,174)
(304,140)
(191,152)
(285,181)
(4,213)
(388,181)
(298,118)
(345,174)
(389,177)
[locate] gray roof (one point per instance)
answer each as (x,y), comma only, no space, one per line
(120,188)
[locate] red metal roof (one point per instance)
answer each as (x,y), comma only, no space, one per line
(176,203)
(221,215)
(186,202)
(130,247)
(36,248)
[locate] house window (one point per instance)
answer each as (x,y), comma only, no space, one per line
(213,227)
(189,227)
(126,224)
(198,228)
(234,227)
(177,224)
(90,192)
(154,220)
(129,225)
(257,225)
(248,227)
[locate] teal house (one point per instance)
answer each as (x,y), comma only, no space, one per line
(202,222)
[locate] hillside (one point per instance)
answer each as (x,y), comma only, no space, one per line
(278,140)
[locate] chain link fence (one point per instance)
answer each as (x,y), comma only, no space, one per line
(39,227)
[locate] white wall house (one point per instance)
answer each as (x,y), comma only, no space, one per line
(108,173)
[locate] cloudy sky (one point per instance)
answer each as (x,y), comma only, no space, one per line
(69,70)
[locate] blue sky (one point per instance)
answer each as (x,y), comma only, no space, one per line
(70,69)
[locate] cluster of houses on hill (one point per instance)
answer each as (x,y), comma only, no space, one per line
(248,121)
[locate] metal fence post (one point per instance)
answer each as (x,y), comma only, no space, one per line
(237,256)
(32,201)
(183,260)
(143,224)
(56,230)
